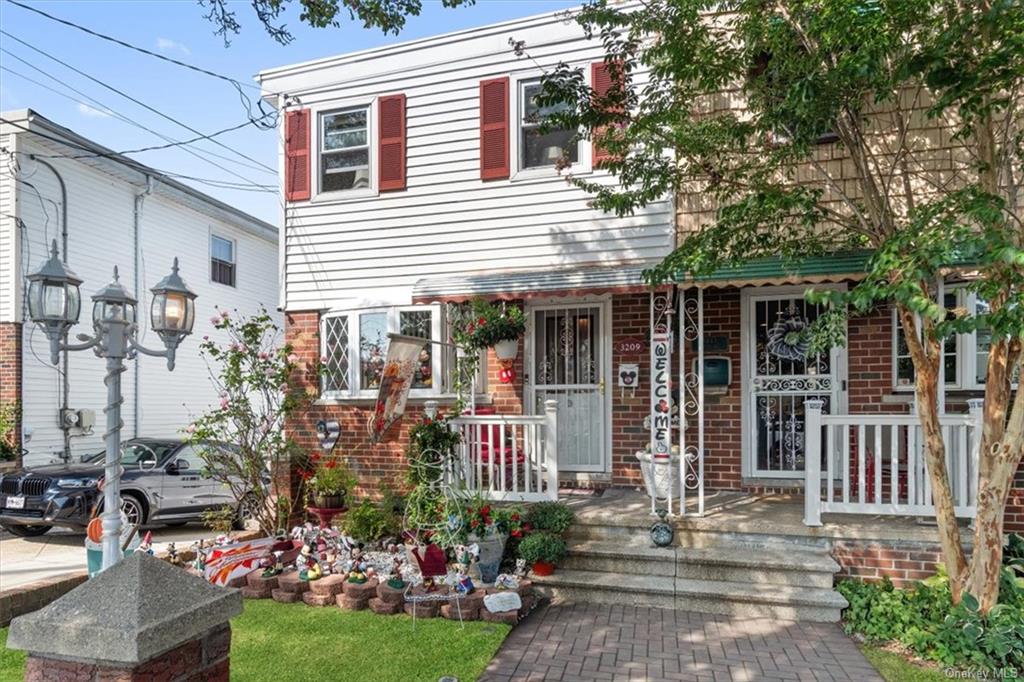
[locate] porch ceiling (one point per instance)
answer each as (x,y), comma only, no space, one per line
(533,283)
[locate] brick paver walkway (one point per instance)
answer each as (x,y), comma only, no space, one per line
(589,642)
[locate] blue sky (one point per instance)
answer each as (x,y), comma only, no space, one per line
(178,29)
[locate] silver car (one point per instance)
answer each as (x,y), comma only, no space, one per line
(163,482)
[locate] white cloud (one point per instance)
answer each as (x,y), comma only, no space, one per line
(86,110)
(168,45)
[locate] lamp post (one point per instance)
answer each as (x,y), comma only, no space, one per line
(54,304)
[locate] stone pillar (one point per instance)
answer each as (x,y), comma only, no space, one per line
(142,619)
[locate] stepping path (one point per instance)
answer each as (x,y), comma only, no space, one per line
(578,642)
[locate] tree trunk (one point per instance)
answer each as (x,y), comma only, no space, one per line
(942,494)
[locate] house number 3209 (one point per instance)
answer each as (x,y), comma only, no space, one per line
(629,347)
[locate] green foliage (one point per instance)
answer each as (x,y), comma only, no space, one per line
(432,443)
(330,477)
(482,519)
(896,668)
(554,517)
(924,620)
(1013,553)
(8,419)
(387,15)
(251,369)
(219,519)
(369,521)
(486,324)
(542,546)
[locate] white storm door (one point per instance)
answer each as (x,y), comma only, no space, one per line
(779,377)
(568,363)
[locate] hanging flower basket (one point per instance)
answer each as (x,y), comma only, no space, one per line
(507,349)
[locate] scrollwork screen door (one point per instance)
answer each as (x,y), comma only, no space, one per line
(566,363)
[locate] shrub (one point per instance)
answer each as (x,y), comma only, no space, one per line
(369,521)
(486,324)
(924,620)
(550,516)
(542,546)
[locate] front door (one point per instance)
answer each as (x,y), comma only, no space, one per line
(567,362)
(779,375)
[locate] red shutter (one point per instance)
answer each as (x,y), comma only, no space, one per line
(494,164)
(296,155)
(601,83)
(392,142)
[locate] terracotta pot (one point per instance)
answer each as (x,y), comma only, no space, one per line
(507,349)
(543,568)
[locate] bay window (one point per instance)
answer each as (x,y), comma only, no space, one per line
(354,346)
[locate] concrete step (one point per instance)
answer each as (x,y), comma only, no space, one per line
(637,535)
(730,563)
(786,602)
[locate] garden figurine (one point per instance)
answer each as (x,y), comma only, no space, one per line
(146,546)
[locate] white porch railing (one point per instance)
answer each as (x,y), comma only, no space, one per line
(509,457)
(876,464)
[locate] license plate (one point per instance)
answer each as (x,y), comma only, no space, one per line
(15,502)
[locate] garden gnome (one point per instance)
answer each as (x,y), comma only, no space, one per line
(172,555)
(146,546)
(276,568)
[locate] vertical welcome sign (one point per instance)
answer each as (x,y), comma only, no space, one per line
(661,395)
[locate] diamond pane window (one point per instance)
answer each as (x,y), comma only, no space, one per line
(335,352)
(419,323)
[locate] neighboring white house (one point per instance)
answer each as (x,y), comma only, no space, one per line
(118,213)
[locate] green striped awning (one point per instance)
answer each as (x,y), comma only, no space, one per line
(776,270)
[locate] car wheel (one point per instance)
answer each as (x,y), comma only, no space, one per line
(27,531)
(133,509)
(248,509)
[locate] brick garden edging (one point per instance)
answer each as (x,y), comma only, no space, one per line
(35,595)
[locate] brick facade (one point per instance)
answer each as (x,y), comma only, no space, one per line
(10,371)
(870,389)
(902,562)
(205,659)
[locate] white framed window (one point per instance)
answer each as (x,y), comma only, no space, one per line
(222,260)
(965,356)
(344,142)
(537,150)
(353,348)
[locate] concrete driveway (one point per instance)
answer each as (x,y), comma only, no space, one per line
(24,560)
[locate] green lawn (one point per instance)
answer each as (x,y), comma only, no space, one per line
(895,668)
(272,641)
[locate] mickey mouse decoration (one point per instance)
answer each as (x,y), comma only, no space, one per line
(629,378)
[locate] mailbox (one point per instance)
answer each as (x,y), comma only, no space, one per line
(717,371)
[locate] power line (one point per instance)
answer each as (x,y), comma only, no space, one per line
(132,163)
(106,109)
(133,99)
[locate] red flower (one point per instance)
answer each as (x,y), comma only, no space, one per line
(527,527)
(427,421)
(485,510)
(515,517)
(474,523)
(517,533)
(482,321)
(470,328)
(332,464)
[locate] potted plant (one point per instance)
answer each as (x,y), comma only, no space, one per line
(489,527)
(554,517)
(542,550)
(487,325)
(329,484)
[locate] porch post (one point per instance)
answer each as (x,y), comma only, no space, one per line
(551,446)
(812,462)
(976,406)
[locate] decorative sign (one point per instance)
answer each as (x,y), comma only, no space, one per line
(661,396)
(396,380)
(630,346)
(629,376)
(225,562)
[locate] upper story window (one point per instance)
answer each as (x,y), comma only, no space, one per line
(222,260)
(537,149)
(344,150)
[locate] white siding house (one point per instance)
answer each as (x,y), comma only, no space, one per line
(122,214)
(343,247)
